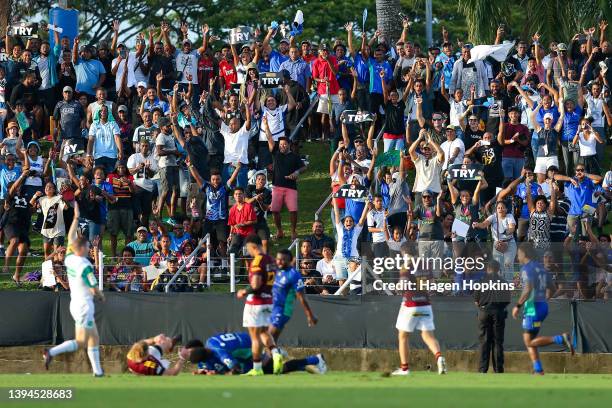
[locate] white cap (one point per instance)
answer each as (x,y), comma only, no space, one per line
(141,83)
(548,115)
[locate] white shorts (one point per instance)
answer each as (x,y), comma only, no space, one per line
(83,313)
(418,317)
(543,163)
(256,315)
(323,106)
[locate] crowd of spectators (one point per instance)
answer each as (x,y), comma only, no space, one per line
(171,140)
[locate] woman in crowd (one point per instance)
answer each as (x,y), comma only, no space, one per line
(587,139)
(52,206)
(348,234)
(502,226)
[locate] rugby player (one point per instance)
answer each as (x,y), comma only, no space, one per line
(83,290)
(230,353)
(146,356)
(415,313)
(537,288)
(258,307)
(288,285)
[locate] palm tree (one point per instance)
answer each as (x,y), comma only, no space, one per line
(5,15)
(553,19)
(388,19)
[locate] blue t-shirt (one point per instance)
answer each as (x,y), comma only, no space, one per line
(144,251)
(344,81)
(579,196)
(216,202)
(286,284)
(175,242)
(104,135)
(88,73)
(536,275)
(362,68)
(540,115)
(571,120)
(375,67)
(521,191)
(6,177)
(108,188)
(229,350)
(276,59)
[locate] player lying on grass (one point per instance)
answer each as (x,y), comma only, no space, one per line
(83,290)
(258,307)
(415,314)
(230,353)
(288,285)
(537,288)
(146,357)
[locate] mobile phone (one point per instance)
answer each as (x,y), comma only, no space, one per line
(485,143)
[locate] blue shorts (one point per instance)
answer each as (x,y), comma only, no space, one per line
(532,324)
(279,319)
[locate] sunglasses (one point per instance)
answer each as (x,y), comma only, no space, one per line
(436,119)
(579,170)
(426,196)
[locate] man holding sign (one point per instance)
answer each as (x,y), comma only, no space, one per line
(69,116)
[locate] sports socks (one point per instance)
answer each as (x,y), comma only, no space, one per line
(312,360)
(537,366)
(68,346)
(558,339)
(94,358)
(438,355)
(404,367)
(257,365)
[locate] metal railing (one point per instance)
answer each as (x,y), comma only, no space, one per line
(187,260)
(299,125)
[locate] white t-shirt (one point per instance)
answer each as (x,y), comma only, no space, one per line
(236,144)
(140,178)
(427,174)
(340,232)
(53,211)
(36,166)
(607,181)
(376,219)
(500,232)
(587,147)
(81,278)
(276,122)
(48,277)
(456,110)
(526,110)
(187,64)
(595,110)
(131,77)
(325,268)
(448,148)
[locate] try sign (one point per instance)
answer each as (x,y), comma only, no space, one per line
(240,35)
(359,193)
(353,116)
(24,29)
(270,79)
(465,171)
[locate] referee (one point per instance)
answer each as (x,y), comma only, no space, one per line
(492,320)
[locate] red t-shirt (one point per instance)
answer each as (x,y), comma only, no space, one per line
(515,150)
(321,70)
(206,71)
(264,266)
(228,72)
(309,58)
(240,216)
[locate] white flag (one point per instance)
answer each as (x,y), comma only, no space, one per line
(499,51)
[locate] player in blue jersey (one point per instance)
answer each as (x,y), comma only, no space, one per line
(288,286)
(230,353)
(537,287)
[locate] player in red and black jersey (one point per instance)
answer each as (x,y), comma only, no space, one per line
(146,356)
(415,313)
(258,307)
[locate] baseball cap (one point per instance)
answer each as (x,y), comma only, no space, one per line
(172,258)
(548,116)
(67,89)
(355,259)
(562,47)
(427,193)
(245,46)
(122,108)
(141,228)
(450,127)
(323,47)
(163,121)
(186,41)
(141,83)
(34,143)
(284,40)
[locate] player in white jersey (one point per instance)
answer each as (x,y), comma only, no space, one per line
(83,290)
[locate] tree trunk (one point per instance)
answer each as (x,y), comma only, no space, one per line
(5,16)
(388,20)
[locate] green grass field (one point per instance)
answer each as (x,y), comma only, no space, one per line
(339,389)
